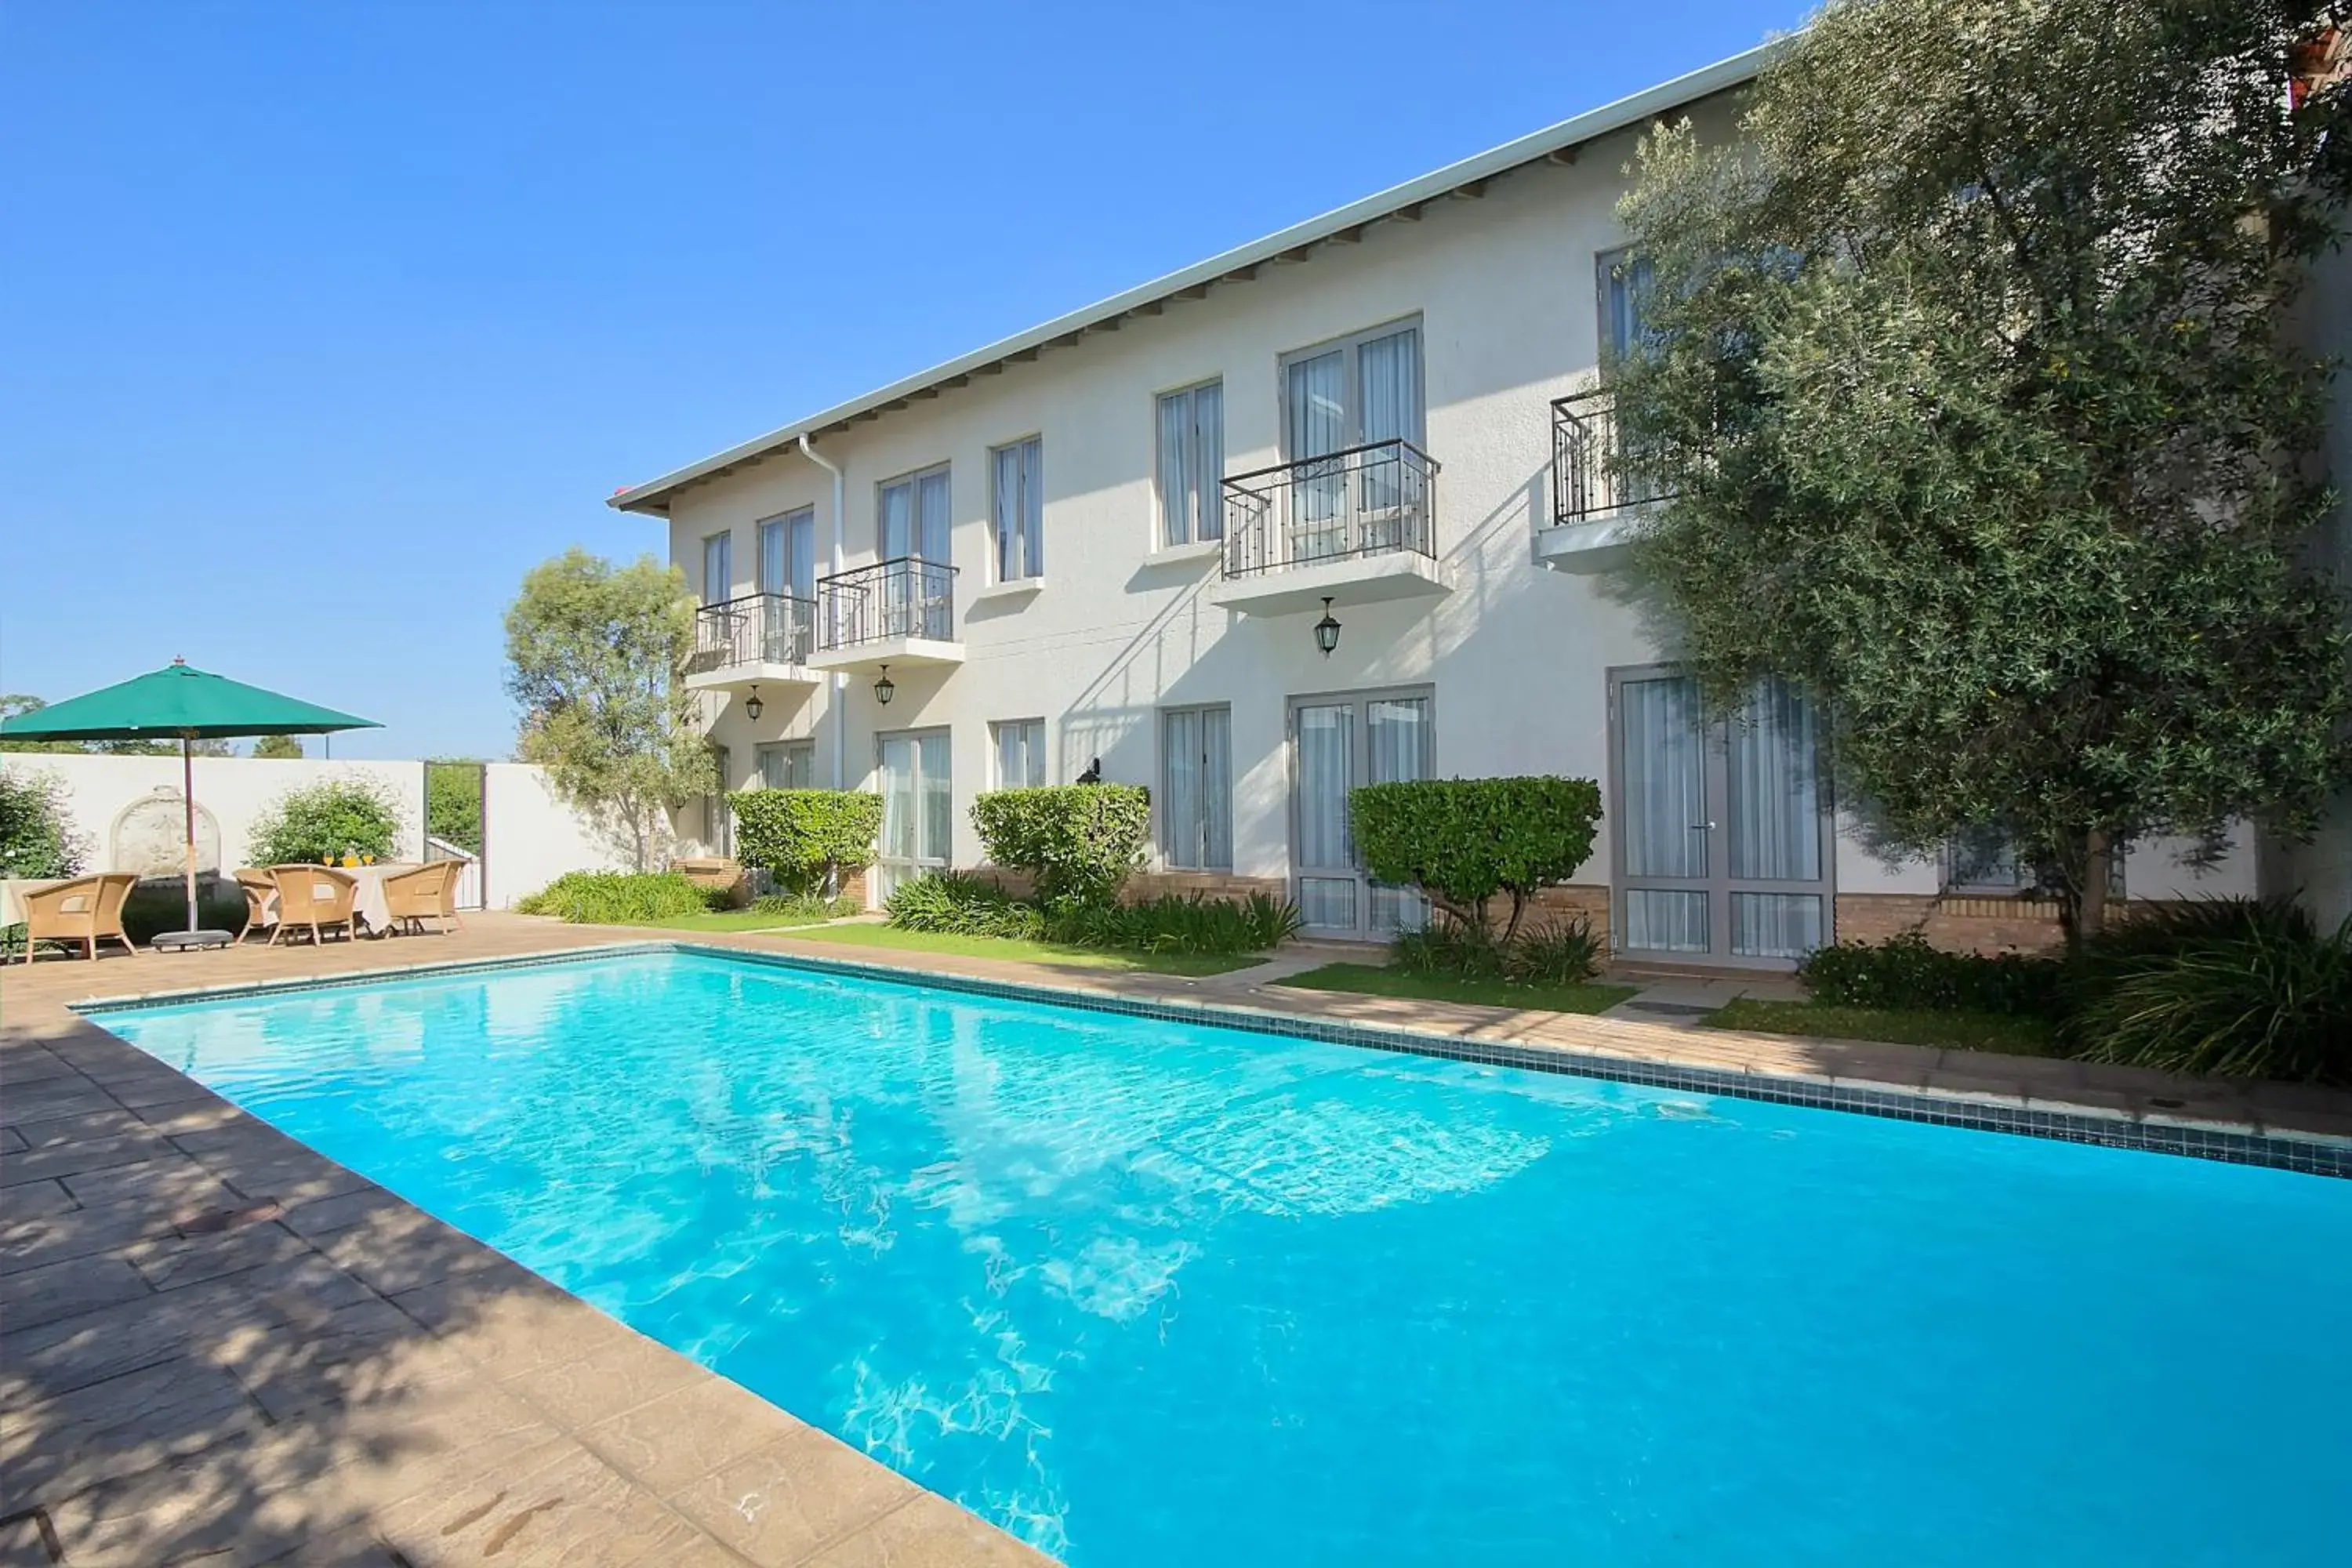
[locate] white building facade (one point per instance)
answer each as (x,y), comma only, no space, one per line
(1110,543)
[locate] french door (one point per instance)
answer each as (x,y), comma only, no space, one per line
(1724,832)
(1337,398)
(917,811)
(914,525)
(1336,744)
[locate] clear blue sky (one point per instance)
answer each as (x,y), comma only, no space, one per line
(323,323)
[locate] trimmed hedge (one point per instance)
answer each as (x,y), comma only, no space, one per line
(1079,841)
(807,839)
(1905,975)
(1461,841)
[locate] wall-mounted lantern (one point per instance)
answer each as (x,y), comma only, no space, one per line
(1326,631)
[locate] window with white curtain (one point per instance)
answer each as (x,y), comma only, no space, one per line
(1192,464)
(1196,800)
(718,817)
(1360,389)
(718,567)
(911,515)
(1017,509)
(1019,748)
(789,764)
(1624,283)
(788,554)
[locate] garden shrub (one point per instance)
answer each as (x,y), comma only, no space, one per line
(961,906)
(1461,841)
(1552,951)
(807,839)
(37,837)
(1905,973)
(805,906)
(1179,922)
(619,898)
(2221,987)
(337,817)
(1079,841)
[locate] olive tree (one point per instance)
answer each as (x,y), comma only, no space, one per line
(595,657)
(1965,368)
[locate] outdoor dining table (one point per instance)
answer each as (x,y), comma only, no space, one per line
(368,901)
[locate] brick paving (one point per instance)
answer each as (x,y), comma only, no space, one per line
(216,1345)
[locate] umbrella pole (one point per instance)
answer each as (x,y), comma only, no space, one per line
(188,799)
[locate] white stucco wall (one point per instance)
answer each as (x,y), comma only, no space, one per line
(529,837)
(232,790)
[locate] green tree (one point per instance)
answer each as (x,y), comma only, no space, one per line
(1965,366)
(595,653)
(282,748)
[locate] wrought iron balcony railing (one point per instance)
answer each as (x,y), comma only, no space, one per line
(758,628)
(905,597)
(1373,499)
(1590,478)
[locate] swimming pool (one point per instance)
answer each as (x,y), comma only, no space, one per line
(1151,1292)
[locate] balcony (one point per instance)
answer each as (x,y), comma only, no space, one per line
(1358,525)
(898,612)
(1596,505)
(758,639)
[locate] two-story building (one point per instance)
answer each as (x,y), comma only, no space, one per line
(1325,509)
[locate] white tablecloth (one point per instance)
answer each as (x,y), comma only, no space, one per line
(368,901)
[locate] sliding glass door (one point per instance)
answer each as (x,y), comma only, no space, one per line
(918,813)
(1336,744)
(1723,840)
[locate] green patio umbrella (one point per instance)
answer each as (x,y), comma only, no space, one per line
(184,704)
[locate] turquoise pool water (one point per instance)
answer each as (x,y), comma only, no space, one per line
(1148,1293)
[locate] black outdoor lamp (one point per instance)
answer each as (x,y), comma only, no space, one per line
(753,706)
(885,688)
(1326,631)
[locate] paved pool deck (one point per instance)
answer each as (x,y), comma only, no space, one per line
(218,1346)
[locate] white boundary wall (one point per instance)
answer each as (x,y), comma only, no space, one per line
(529,837)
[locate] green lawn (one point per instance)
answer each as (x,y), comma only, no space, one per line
(731,920)
(1378,979)
(1030,951)
(1970,1031)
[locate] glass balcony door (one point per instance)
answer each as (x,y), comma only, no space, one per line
(1723,842)
(918,809)
(1336,744)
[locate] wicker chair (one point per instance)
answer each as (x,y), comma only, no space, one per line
(313,898)
(83,910)
(428,893)
(258,891)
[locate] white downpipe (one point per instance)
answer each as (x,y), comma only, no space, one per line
(838,701)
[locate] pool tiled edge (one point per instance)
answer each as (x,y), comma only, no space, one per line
(2309,1154)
